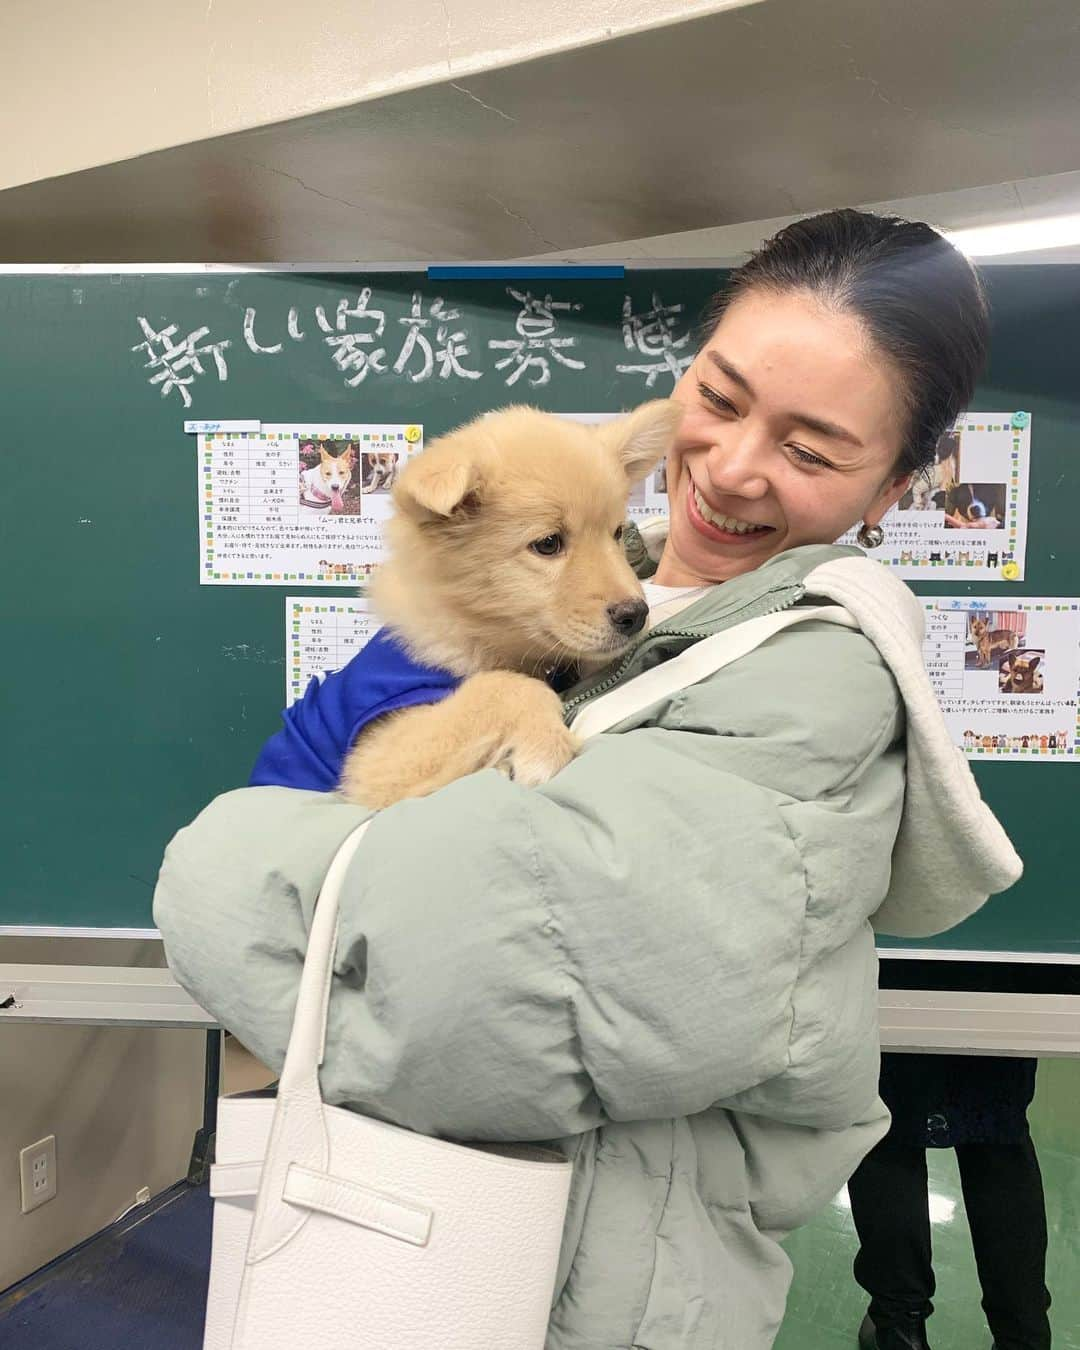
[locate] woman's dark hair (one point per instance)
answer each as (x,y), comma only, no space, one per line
(919,299)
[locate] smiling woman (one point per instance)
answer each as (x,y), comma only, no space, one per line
(832,363)
(663,957)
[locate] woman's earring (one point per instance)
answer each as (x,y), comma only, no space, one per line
(870,536)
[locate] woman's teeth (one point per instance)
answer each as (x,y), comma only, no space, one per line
(728,523)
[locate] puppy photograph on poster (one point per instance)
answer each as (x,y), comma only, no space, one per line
(990,635)
(378,470)
(1022,671)
(975,506)
(328,484)
(928,491)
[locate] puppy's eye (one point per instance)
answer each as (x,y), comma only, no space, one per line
(619,535)
(549,546)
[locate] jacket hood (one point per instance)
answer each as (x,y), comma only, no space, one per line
(951,852)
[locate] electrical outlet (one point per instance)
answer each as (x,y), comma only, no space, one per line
(37,1173)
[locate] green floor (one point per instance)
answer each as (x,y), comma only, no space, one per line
(826,1306)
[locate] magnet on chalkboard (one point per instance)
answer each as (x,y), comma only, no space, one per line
(1020,420)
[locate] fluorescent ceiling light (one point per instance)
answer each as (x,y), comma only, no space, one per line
(1021,236)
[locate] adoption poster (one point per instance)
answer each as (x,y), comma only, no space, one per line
(1007,674)
(322,634)
(297,502)
(968,519)
(648,497)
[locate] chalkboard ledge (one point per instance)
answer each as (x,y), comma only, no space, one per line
(914,1020)
(111,996)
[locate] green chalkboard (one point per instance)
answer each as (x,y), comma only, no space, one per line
(133,694)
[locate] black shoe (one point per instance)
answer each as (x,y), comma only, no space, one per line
(907,1335)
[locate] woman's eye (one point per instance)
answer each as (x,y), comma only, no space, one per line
(718,401)
(549,546)
(805,457)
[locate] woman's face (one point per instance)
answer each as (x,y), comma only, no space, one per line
(792,430)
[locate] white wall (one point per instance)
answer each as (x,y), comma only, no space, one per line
(124,1105)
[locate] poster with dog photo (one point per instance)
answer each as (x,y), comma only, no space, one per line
(328,483)
(298,502)
(1007,675)
(966,517)
(648,497)
(321,635)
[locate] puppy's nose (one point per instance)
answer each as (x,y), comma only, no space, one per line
(628,617)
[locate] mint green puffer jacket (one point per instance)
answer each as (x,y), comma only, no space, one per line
(663,959)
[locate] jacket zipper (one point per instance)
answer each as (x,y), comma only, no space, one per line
(760,609)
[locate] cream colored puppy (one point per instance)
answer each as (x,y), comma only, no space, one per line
(505,562)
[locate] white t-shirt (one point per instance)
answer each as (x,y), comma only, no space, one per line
(666,601)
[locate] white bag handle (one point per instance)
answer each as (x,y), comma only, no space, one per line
(307,1044)
(299,1130)
(695,664)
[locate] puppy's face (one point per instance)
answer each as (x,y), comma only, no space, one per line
(336,470)
(523,512)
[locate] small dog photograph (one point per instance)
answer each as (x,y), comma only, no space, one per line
(1021,671)
(329,484)
(990,635)
(928,492)
(378,471)
(637,500)
(975,506)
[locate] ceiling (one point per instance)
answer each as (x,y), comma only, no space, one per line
(783,108)
(1050,198)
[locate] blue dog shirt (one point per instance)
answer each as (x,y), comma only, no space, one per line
(321,727)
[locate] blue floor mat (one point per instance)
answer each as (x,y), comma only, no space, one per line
(140,1285)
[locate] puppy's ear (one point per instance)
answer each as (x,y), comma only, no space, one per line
(642,438)
(443,480)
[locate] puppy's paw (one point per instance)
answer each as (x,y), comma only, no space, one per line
(525,718)
(537,756)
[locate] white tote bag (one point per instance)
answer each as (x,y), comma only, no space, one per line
(333,1231)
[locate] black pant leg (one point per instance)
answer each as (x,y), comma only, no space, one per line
(891,1209)
(1003,1196)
